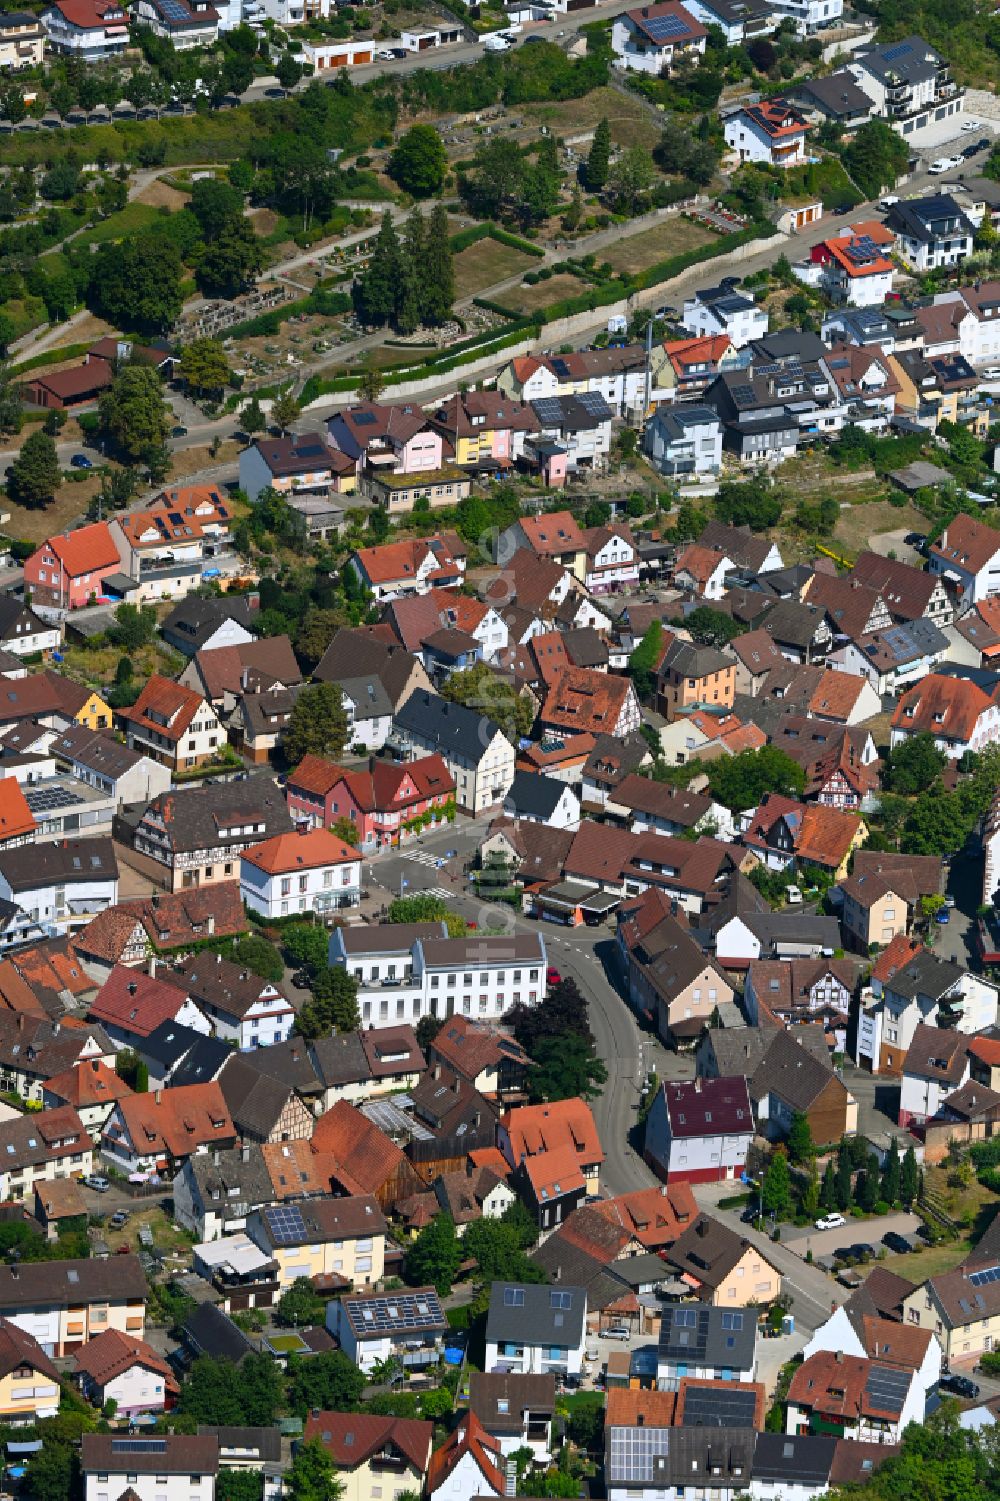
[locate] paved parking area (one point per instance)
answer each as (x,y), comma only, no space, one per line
(869,1232)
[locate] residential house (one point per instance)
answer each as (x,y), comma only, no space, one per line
(581,700)
(164,550)
(957,713)
(387,803)
(669,979)
(739,20)
(155,1134)
(485,429)
(62,1304)
(534,1329)
(891,659)
(415,620)
(398,494)
(339,1239)
(937,1063)
(704,1342)
(791,1079)
(723,1268)
(370,1452)
(608,764)
(92,31)
(776,406)
(835,97)
(690,677)
(922,989)
(612,560)
(722,310)
(967,558)
(856,263)
(802,992)
(858,1328)
(517,1410)
(60,885)
(412,567)
(652,807)
(295,464)
(468,1465)
(29,1382)
(242,1008)
(908,82)
(484,1054)
(961,1307)
(41,1148)
(262,1108)
(377,438)
(226,673)
(100,761)
(91,1088)
(214,1192)
(24,633)
(783,832)
(117,1367)
(563,1126)
(685,441)
(477,754)
(130,1005)
(197,624)
(173,725)
(576,430)
(542,799)
(409,1327)
(867,386)
(930,232)
(185,1464)
(938,388)
(772,132)
(22,41)
(555,537)
(859,1398)
(200,833)
(654,38)
(692,363)
(310,870)
(194,23)
(882,895)
(68,570)
(752,553)
(699,1132)
(703,572)
(361,1158)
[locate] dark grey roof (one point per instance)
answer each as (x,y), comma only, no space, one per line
(386,938)
(533,795)
(192,622)
(98,750)
(65,1284)
(410,1310)
(677,420)
(254,1100)
(202,1062)
(194,818)
(802,1460)
(209,1331)
(909,61)
(691,661)
(715,1458)
(219,1173)
(266,1442)
(612,759)
(792,344)
(536,1314)
(290,1063)
(571,414)
(171,1454)
(500,1399)
(449,728)
(12,610)
(791,1072)
(927,219)
(168,1043)
(340,1059)
(695,1335)
(793,927)
(368,695)
(838,94)
(925,975)
(30,865)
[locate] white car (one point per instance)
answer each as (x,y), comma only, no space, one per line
(888,201)
(992,372)
(970,125)
(385,55)
(943,164)
(793,896)
(830,1222)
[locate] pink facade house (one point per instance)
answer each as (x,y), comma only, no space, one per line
(68,570)
(551,459)
(387,439)
(484,429)
(381,801)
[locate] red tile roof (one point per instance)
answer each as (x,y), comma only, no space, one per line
(88,1083)
(136,1002)
(899,951)
(367,1157)
(299,851)
(535,1129)
(582,699)
(470,1437)
(16,818)
(947,708)
(167,701)
(554,534)
(91,547)
(647,13)
(113,1353)
(826,835)
(176,1121)
(351,1438)
(967,543)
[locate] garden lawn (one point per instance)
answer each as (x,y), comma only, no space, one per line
(930,1261)
(130,220)
(858,523)
(530,299)
(673,237)
(485,263)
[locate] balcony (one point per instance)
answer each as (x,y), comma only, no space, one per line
(676,466)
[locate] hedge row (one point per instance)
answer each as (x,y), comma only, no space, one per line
(50,357)
(320,300)
(491,231)
(459,354)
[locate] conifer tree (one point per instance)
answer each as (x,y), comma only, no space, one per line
(378,288)
(600,154)
(438,268)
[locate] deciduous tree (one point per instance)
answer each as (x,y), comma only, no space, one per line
(435,1255)
(204,366)
(318,724)
(35,474)
(134,416)
(419,161)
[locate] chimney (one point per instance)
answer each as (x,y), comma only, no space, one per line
(245,1154)
(697,1086)
(437,1071)
(152,967)
(158,1096)
(210,924)
(838,1356)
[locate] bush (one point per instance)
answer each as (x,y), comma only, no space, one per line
(989,1362)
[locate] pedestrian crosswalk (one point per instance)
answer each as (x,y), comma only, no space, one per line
(422,857)
(435,891)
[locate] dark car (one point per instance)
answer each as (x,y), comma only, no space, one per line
(533,39)
(861,1249)
(749,1215)
(958,1386)
(914,539)
(80,461)
(983,143)
(180,431)
(893,1241)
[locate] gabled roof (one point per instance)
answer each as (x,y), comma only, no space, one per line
(366,1155)
(582,699)
(469,1438)
(946,707)
(967,544)
(299,851)
(707,1252)
(136,1002)
(681,26)
(534,1129)
(88,1083)
(164,707)
(113,1353)
(553,534)
(178,1121)
(18,1348)
(353,1438)
(90,548)
(708,1107)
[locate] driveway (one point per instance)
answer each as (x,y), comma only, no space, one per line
(956,939)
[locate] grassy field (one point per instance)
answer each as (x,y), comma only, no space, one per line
(631,123)
(148,1212)
(130,220)
(860,522)
(486,262)
(931,1260)
(673,237)
(529,299)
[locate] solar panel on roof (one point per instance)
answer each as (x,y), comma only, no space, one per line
(400,1311)
(988,1274)
(899,51)
(887,1388)
(286,1225)
(138,1446)
(364,419)
(743,394)
(711,1407)
(660,28)
(634,1451)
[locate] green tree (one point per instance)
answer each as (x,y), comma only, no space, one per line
(35,474)
(134,417)
(329,1381)
(598,160)
(810,1195)
(252,419)
(312,1476)
(215,204)
(301,1304)
(845,1186)
(741,782)
(53,1473)
(876,157)
(711,627)
(284,410)
(230,263)
(937,824)
(630,178)
(800,1141)
(776,1189)
(334,1004)
(134,627)
(828,1192)
(370,385)
(749,503)
(435,1256)
(909,1178)
(219,1392)
(426,908)
(480,688)
(204,366)
(497,1250)
(305,945)
(565,1068)
(288,71)
(135,283)
(438,268)
(892,1174)
(377,289)
(317,725)
(869,1187)
(419,162)
(564,1014)
(645,660)
(914,764)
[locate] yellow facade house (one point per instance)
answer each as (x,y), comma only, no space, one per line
(339,1240)
(29,1382)
(377,1458)
(723,1268)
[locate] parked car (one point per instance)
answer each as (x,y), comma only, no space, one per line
(942,916)
(617,1331)
(861,1249)
(830,1222)
(180,431)
(970,125)
(119,1219)
(959,1386)
(992,372)
(80,461)
(750,1215)
(949,902)
(893,1241)
(552,975)
(793,896)
(943,164)
(97,1183)
(917,539)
